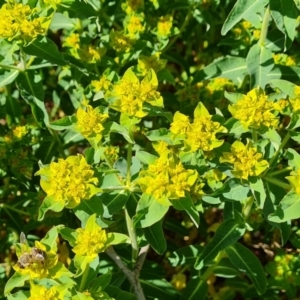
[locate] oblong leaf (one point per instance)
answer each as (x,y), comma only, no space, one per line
(155,237)
(245,261)
(227,234)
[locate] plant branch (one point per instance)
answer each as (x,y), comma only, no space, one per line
(141,258)
(278,182)
(131,275)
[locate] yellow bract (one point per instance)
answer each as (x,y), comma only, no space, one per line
(146,63)
(167,179)
(120,41)
(19,21)
(91,240)
(130,95)
(89,122)
(294,180)
(245,159)
(39,292)
(103,84)
(69,181)
(201,134)
(134,24)
(164,26)
(254,111)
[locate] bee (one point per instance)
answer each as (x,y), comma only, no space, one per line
(35,255)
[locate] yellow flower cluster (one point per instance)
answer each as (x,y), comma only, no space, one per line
(103,84)
(132,6)
(167,179)
(69,181)
(18,21)
(254,110)
(35,268)
(72,41)
(91,240)
(294,180)
(130,94)
(154,62)
(134,24)
(284,59)
(201,134)
(120,41)
(19,131)
(245,159)
(89,122)
(295,101)
(39,292)
(164,26)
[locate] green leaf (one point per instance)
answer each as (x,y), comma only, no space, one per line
(225,269)
(62,124)
(155,237)
(288,209)
(114,202)
(246,261)
(233,68)
(293,158)
(226,234)
(195,289)
(241,10)
(44,48)
(51,237)
(31,88)
(100,283)
(69,234)
(237,191)
(259,64)
(159,289)
(149,211)
(83,262)
(284,14)
(77,9)
(118,294)
(290,73)
(162,134)
(7,76)
(285,86)
(258,191)
(185,256)
(49,204)
(187,205)
(114,238)
(115,127)
(17,280)
(145,157)
(60,21)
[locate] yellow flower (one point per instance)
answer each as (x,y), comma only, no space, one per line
(164,26)
(90,54)
(245,159)
(160,147)
(131,6)
(73,41)
(103,84)
(89,122)
(180,123)
(19,131)
(91,240)
(201,134)
(120,41)
(35,268)
(254,111)
(294,180)
(18,21)
(112,153)
(39,292)
(179,281)
(52,2)
(167,179)
(134,24)
(151,62)
(129,95)
(295,101)
(69,181)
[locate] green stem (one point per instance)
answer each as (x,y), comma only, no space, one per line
(84,278)
(210,269)
(277,182)
(283,143)
(247,207)
(31,60)
(254,135)
(287,169)
(264,27)
(6,206)
(130,227)
(184,24)
(108,160)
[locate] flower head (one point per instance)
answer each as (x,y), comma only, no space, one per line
(90,122)
(120,41)
(39,292)
(154,62)
(130,95)
(164,26)
(294,180)
(103,84)
(180,124)
(69,181)
(254,111)
(245,159)
(90,240)
(134,24)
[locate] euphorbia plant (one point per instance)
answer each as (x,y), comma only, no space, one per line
(142,156)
